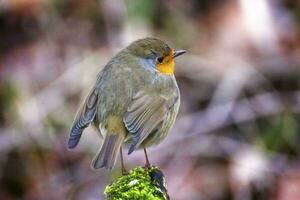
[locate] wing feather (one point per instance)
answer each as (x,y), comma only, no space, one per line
(143,116)
(84,117)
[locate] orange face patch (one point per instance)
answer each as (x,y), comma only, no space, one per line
(167,65)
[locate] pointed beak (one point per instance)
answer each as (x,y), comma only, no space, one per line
(178,53)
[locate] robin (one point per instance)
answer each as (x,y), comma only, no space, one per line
(134,101)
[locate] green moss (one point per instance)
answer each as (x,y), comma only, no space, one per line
(139,184)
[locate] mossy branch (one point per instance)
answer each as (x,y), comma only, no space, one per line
(138,184)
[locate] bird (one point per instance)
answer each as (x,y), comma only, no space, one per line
(133,103)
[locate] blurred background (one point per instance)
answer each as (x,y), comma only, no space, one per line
(237,134)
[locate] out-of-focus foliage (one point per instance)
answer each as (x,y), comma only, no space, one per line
(237,133)
(8,95)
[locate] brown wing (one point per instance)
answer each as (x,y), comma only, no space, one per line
(144,115)
(84,117)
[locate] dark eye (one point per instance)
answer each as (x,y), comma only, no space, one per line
(160,59)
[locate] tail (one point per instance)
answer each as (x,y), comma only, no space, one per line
(109,151)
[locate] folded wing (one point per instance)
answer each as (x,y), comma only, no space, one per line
(144,115)
(84,117)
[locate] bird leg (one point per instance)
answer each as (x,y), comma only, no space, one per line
(124,171)
(147,165)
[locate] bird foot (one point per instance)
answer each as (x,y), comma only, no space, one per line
(124,171)
(147,166)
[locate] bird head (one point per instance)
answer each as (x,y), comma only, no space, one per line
(155,54)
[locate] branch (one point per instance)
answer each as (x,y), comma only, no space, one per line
(139,183)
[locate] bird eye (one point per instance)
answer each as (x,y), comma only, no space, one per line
(160,59)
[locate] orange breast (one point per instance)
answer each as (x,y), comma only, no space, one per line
(167,65)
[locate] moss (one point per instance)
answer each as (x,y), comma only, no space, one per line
(140,183)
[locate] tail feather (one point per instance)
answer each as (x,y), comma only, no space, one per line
(109,151)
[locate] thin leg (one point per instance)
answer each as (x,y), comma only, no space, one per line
(124,171)
(147,165)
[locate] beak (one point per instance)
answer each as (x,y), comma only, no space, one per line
(178,53)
